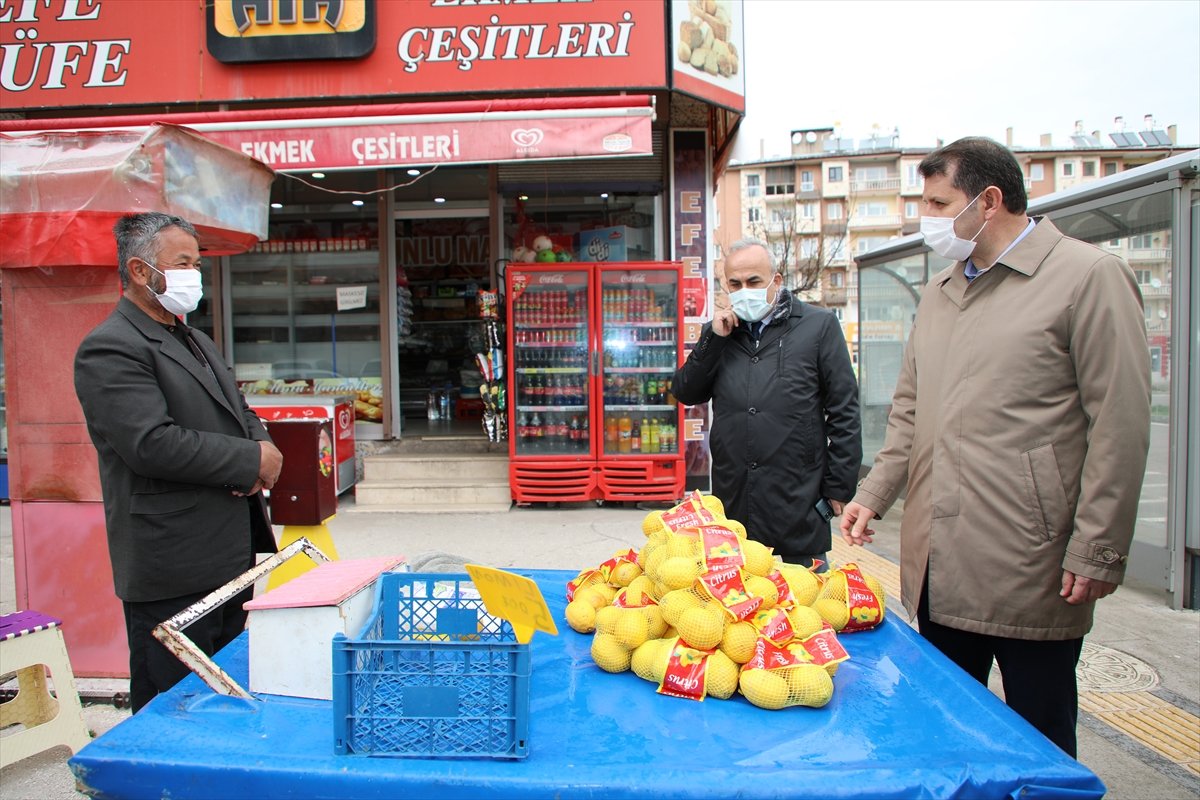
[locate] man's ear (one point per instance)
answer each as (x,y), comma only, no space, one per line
(992,201)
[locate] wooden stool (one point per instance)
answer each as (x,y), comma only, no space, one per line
(29,643)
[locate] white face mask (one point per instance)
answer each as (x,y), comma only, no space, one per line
(750,305)
(939,235)
(183,290)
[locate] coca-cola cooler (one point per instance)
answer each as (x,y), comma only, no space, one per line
(593,350)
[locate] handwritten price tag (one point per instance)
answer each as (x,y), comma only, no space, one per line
(514,598)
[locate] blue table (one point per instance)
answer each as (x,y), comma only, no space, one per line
(903,722)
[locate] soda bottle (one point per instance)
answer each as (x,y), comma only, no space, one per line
(611,434)
(645,436)
(651,391)
(635,438)
(574,432)
(535,431)
(651,435)
(523,430)
(625,426)
(584,436)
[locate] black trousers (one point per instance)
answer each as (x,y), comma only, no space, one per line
(152,667)
(1039,676)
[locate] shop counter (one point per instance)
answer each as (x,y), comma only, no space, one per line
(903,722)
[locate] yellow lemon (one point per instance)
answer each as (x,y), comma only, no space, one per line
(832,611)
(805,621)
(649,660)
(702,628)
(805,585)
(581,616)
(759,560)
(679,572)
(721,676)
(877,588)
(713,504)
(764,588)
(808,685)
(592,596)
(607,618)
(632,628)
(738,642)
(609,654)
(624,573)
(673,604)
(652,523)
(764,688)
(639,589)
(683,546)
(832,668)
(654,619)
(609,592)
(654,561)
(738,528)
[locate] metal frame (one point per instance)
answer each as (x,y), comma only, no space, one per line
(170,632)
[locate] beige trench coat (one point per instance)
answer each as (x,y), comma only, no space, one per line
(1020,424)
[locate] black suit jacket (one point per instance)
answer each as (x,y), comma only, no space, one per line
(173,441)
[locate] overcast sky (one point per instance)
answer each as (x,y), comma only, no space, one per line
(954,68)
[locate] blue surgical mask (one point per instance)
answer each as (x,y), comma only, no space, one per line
(750,305)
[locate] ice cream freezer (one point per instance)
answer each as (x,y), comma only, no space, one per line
(338,409)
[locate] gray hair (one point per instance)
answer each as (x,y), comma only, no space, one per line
(137,237)
(750,241)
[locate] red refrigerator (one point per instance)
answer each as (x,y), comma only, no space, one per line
(592,350)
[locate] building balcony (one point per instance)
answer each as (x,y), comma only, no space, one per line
(780,197)
(881,221)
(833,297)
(834,228)
(884,185)
(1149,254)
(910,226)
(1149,291)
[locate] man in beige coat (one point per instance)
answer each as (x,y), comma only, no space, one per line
(1019,426)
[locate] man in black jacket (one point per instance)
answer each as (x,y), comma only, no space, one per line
(786,428)
(183,460)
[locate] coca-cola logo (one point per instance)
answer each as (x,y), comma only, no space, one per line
(553,277)
(634,277)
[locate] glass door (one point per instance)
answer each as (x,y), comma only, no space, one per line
(550,336)
(639,354)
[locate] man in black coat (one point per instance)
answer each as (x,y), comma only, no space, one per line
(786,429)
(183,461)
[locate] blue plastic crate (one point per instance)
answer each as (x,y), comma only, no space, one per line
(432,674)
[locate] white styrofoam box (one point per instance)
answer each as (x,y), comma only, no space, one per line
(292,627)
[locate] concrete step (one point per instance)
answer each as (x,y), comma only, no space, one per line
(447,496)
(454,467)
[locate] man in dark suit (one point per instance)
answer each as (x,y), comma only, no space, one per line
(183,461)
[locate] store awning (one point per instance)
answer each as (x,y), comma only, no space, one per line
(409,134)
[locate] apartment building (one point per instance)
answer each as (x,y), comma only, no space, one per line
(834,198)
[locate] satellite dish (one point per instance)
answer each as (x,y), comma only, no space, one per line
(796,138)
(1155,283)
(1162,313)
(810,137)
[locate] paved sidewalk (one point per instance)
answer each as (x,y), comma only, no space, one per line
(1143,742)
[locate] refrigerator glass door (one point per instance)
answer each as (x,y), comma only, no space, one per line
(550,362)
(639,351)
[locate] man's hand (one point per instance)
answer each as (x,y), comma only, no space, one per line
(854,525)
(837,506)
(724,321)
(270,462)
(1078,589)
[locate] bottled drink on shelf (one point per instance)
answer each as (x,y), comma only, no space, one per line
(612,434)
(625,426)
(536,432)
(575,432)
(635,438)
(651,435)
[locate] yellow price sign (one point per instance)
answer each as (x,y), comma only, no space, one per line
(514,598)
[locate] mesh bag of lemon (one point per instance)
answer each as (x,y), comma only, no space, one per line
(700,600)
(850,600)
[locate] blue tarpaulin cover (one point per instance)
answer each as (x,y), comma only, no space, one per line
(903,722)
